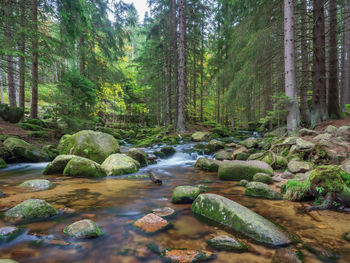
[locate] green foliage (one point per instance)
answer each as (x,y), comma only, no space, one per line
(296,190)
(29,126)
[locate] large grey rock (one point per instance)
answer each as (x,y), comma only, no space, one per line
(239,218)
(185,194)
(9,233)
(138,155)
(207,164)
(83,229)
(215,145)
(96,146)
(250,143)
(83,167)
(296,166)
(257,189)
(26,151)
(118,164)
(302,145)
(323,136)
(58,164)
(200,136)
(37,184)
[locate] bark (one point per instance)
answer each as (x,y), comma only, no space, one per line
(34,90)
(82,55)
(182,68)
(9,59)
(333,94)
(304,108)
(318,111)
(1,83)
(293,119)
(169,92)
(202,70)
(175,57)
(346,72)
(194,86)
(22,48)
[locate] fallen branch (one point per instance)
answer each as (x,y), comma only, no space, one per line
(154,178)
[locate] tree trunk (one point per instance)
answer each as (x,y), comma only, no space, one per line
(182,68)
(333,94)
(293,119)
(194,86)
(34,91)
(22,48)
(318,111)
(175,58)
(346,72)
(169,91)
(202,70)
(1,83)
(82,54)
(304,108)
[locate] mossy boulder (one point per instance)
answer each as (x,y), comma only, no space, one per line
(83,229)
(331,129)
(207,164)
(263,178)
(168,151)
(344,131)
(159,154)
(250,143)
(30,127)
(200,136)
(224,155)
(96,146)
(37,184)
(51,151)
(215,145)
(25,151)
(83,167)
(295,190)
(303,145)
(11,114)
(58,164)
(9,233)
(257,189)
(31,210)
(3,164)
(239,218)
(296,166)
(138,155)
(226,243)
(185,194)
(238,170)
(306,132)
(37,122)
(323,136)
(118,164)
(242,183)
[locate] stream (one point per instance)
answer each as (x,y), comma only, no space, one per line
(114,203)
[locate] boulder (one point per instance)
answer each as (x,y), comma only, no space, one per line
(306,132)
(277,132)
(290,140)
(164,212)
(207,164)
(138,155)
(331,129)
(185,194)
(226,243)
(168,151)
(323,136)
(9,233)
(83,229)
(58,164)
(263,178)
(37,184)
(26,151)
(257,189)
(200,136)
(238,170)
(215,145)
(11,114)
(346,166)
(151,223)
(96,146)
(302,145)
(186,256)
(296,166)
(250,143)
(83,167)
(224,155)
(159,154)
(344,131)
(239,218)
(286,255)
(31,210)
(243,183)
(118,164)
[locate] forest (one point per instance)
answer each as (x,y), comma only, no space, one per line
(175,131)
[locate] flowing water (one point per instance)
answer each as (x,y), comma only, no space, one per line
(114,203)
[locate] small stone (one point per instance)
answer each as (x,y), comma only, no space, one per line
(285,255)
(151,223)
(8,233)
(257,189)
(187,256)
(324,136)
(185,194)
(263,178)
(242,182)
(163,212)
(226,243)
(37,184)
(83,229)
(302,145)
(296,166)
(331,129)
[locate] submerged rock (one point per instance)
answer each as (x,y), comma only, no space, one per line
(96,146)
(37,184)
(257,189)
(285,255)
(164,211)
(138,155)
(118,164)
(207,164)
(238,170)
(31,210)
(239,218)
(58,164)
(83,167)
(26,151)
(83,229)
(9,233)
(168,151)
(263,178)
(151,223)
(200,136)
(186,256)
(226,243)
(185,194)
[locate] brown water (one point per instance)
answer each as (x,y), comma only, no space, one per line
(115,203)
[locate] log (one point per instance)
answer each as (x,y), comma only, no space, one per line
(154,178)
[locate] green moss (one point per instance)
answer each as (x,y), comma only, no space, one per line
(3,164)
(83,229)
(185,194)
(82,167)
(328,177)
(37,122)
(257,189)
(29,126)
(263,178)
(38,134)
(296,190)
(238,170)
(346,177)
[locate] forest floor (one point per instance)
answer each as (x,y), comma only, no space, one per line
(336,123)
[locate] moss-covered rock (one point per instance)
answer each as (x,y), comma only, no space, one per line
(31,210)
(58,164)
(224,155)
(238,170)
(3,164)
(138,155)
(185,194)
(23,150)
(83,229)
(9,233)
(296,166)
(118,164)
(331,129)
(37,184)
(257,189)
(159,154)
(226,243)
(30,127)
(38,134)
(168,151)
(263,178)
(51,151)
(207,164)
(306,132)
(250,143)
(323,136)
(83,167)
(242,183)
(37,122)
(8,261)
(302,145)
(215,145)
(200,136)
(96,146)
(11,114)
(239,218)
(295,190)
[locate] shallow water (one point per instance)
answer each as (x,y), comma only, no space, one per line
(115,203)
